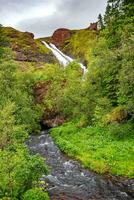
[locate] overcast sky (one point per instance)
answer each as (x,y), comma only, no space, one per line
(42,17)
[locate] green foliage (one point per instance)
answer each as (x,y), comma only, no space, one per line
(99,105)
(100,22)
(126,78)
(19,116)
(16,87)
(2,39)
(19,171)
(103,149)
(10,133)
(65,92)
(119,13)
(102,103)
(23,41)
(35,194)
(119,114)
(80,44)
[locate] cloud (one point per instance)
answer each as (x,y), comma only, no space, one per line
(42,17)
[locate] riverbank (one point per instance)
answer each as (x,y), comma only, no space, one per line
(67,179)
(106,150)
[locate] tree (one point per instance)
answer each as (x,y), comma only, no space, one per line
(100,22)
(107,15)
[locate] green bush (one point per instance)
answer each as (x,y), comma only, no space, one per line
(35,194)
(19,116)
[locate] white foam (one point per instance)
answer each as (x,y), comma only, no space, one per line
(61,57)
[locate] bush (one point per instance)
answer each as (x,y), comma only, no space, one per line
(118,114)
(35,194)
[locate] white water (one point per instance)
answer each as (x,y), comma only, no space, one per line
(61,57)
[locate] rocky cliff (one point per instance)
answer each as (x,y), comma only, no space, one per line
(60,35)
(25,47)
(75,43)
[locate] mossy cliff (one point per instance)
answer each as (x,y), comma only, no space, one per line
(25,47)
(75,43)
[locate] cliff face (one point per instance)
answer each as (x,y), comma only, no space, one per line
(75,43)
(93,26)
(60,35)
(26,48)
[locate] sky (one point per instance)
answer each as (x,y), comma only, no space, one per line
(43,17)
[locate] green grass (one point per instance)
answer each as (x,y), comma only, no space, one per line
(24,41)
(101,149)
(80,44)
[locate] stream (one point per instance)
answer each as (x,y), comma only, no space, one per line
(68,180)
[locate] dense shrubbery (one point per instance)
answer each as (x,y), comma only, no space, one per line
(19,116)
(35,194)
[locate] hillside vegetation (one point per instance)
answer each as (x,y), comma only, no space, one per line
(100,109)
(25,47)
(19,116)
(80,45)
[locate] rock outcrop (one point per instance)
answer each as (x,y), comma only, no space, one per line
(26,48)
(60,35)
(93,26)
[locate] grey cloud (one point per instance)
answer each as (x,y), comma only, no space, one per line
(73,14)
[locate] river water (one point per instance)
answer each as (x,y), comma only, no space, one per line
(68,180)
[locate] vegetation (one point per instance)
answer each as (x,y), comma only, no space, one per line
(98,108)
(80,44)
(23,41)
(101,106)
(35,194)
(102,149)
(19,116)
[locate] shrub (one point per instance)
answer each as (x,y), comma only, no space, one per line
(35,194)
(118,114)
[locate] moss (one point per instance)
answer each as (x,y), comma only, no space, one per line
(80,44)
(41,47)
(47,39)
(24,41)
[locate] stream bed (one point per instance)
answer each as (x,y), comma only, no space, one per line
(68,180)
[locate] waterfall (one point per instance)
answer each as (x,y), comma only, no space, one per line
(61,57)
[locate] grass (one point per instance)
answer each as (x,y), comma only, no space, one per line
(24,41)
(101,149)
(80,44)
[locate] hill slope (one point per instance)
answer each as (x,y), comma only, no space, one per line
(25,47)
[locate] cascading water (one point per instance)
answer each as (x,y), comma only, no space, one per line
(61,57)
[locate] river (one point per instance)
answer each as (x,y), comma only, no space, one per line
(68,180)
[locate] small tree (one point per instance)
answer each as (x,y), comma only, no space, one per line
(100,22)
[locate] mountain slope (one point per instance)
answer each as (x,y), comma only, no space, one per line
(75,43)
(25,47)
